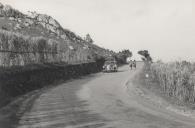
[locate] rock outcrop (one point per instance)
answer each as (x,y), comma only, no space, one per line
(46,21)
(32,18)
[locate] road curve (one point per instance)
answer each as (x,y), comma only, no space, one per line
(102,100)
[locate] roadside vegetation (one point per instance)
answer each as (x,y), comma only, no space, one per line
(121,56)
(145,55)
(177,79)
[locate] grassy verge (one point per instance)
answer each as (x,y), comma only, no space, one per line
(173,82)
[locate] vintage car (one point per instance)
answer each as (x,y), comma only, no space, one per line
(110,66)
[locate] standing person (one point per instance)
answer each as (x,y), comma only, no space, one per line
(131,64)
(134,64)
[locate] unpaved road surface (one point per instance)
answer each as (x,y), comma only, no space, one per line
(103,100)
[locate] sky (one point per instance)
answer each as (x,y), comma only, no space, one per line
(166,28)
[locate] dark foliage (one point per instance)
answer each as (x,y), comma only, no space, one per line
(146,55)
(122,56)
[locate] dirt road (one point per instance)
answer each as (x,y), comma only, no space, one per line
(103,100)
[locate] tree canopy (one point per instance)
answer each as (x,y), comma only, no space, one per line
(122,56)
(146,55)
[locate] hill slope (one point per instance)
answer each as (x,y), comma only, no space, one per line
(69,46)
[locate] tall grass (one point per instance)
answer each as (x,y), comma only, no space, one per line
(177,79)
(17,49)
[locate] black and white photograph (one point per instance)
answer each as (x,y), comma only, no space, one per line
(97,64)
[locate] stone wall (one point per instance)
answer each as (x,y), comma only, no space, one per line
(16,81)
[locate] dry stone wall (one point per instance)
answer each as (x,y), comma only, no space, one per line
(16,81)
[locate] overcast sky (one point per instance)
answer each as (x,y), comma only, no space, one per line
(164,27)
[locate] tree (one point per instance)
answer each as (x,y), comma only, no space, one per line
(127,53)
(88,39)
(146,55)
(122,56)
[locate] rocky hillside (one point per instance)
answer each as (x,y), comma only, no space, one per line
(32,25)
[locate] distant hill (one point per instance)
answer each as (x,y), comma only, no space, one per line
(70,47)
